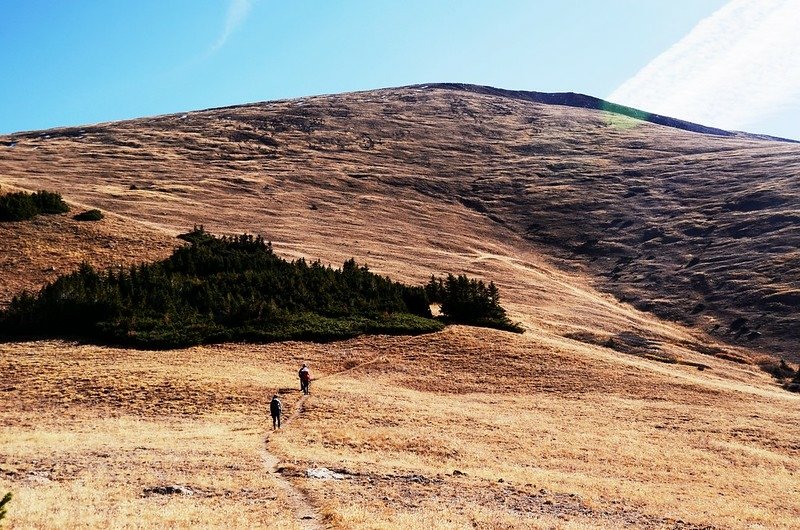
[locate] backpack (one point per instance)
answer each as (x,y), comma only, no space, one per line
(275,406)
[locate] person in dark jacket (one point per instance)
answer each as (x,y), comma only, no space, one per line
(275,408)
(305,378)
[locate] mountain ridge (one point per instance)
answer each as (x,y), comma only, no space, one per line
(576,99)
(569,99)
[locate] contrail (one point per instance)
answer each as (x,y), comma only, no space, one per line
(733,68)
(237,13)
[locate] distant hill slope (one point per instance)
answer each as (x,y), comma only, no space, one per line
(699,226)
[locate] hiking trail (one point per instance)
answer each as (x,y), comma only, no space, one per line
(307,515)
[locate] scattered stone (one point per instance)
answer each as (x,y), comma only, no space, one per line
(323,473)
(38,477)
(457,473)
(174,489)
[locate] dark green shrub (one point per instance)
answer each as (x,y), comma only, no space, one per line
(21,206)
(49,202)
(17,206)
(89,215)
(3,502)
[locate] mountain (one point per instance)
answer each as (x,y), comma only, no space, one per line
(696,225)
(654,267)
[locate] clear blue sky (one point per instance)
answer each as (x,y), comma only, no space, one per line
(71,62)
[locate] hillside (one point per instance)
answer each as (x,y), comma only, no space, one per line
(641,258)
(698,228)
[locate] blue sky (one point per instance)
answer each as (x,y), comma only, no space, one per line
(85,61)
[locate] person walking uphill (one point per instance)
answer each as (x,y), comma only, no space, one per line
(275,409)
(305,378)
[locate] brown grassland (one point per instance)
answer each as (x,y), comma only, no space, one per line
(601,415)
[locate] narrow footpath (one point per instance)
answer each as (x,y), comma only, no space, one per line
(306,514)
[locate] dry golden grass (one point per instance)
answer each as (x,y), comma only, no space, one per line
(622,444)
(581,436)
(35,252)
(89,431)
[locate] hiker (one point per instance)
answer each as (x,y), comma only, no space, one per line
(305,378)
(275,408)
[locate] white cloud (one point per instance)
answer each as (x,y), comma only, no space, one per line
(237,13)
(732,69)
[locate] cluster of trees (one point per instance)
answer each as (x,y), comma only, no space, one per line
(20,206)
(220,289)
(468,301)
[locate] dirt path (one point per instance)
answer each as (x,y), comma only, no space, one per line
(307,516)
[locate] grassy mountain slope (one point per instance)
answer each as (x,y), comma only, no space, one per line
(696,228)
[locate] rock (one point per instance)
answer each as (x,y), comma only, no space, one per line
(323,473)
(457,473)
(38,477)
(173,489)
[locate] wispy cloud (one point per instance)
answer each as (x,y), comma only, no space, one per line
(733,68)
(237,13)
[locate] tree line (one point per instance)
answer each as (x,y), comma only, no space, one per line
(220,289)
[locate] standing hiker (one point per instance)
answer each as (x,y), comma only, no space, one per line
(275,408)
(305,378)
